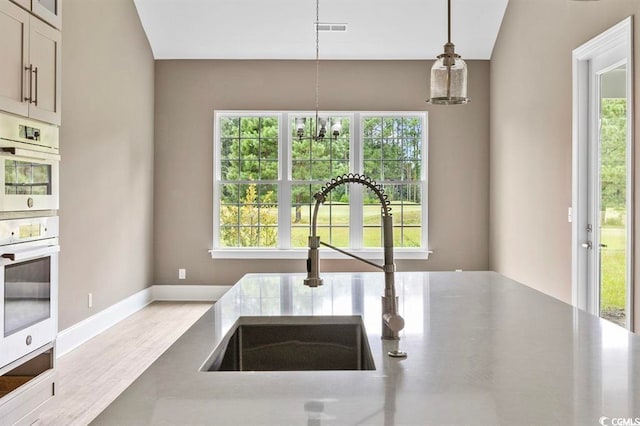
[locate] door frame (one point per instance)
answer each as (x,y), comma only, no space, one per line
(621,33)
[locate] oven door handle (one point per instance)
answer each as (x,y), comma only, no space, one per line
(27,153)
(31,252)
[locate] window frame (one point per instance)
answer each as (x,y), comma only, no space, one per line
(285,182)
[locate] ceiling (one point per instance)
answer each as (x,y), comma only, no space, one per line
(284,29)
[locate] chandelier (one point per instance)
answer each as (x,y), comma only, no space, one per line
(320,124)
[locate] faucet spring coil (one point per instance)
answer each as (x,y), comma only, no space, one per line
(377,189)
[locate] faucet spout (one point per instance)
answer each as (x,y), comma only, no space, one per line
(392,322)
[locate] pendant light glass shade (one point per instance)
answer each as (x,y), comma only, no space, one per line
(449,79)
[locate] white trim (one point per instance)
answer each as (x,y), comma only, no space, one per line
(285,181)
(72,337)
(603,44)
(325,253)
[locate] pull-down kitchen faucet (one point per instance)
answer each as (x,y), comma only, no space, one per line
(392,322)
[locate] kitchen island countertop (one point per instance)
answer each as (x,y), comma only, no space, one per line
(482,349)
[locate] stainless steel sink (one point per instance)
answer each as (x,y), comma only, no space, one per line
(293,344)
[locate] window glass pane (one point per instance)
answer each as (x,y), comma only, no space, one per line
(229,194)
(372,237)
(392,170)
(268,236)
(249,148)
(340,148)
(269,128)
(321,170)
(301,170)
(250,127)
(339,213)
(269,149)
(340,236)
(391,127)
(249,170)
(372,149)
(373,169)
(229,148)
(339,168)
(394,158)
(249,152)
(230,126)
(299,236)
(230,170)
(229,236)
(229,214)
(268,170)
(372,127)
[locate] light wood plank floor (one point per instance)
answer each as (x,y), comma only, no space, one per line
(90,377)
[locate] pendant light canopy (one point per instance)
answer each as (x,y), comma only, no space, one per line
(449,74)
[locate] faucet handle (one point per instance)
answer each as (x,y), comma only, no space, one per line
(394,321)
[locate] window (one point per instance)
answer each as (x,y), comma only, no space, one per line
(265,176)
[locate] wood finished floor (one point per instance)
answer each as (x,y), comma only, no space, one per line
(90,377)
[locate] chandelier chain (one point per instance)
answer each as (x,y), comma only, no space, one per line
(317,62)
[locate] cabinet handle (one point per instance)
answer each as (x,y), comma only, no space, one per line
(35,71)
(30,69)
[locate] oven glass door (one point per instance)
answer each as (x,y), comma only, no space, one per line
(27,294)
(27,178)
(30,183)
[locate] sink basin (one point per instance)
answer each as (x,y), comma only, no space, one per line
(293,344)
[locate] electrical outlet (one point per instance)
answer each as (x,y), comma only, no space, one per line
(182,274)
(90,300)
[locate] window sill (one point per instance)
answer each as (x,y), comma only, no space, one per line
(325,253)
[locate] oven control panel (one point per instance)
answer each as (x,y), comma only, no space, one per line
(20,132)
(29,229)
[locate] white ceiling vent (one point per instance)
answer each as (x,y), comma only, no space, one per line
(337,27)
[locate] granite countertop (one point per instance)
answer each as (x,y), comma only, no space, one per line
(482,349)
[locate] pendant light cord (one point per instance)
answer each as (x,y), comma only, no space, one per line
(449,40)
(449,20)
(317,65)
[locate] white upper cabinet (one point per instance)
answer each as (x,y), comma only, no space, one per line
(44,57)
(30,80)
(14,30)
(47,10)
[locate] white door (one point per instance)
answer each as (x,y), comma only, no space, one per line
(603,176)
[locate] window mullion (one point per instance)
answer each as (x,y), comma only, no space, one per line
(284,182)
(355,196)
(216,180)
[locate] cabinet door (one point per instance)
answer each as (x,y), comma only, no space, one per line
(14,33)
(24,3)
(48,10)
(44,55)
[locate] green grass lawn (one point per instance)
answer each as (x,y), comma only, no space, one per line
(338,215)
(613,270)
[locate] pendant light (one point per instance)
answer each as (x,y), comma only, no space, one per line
(449,74)
(321,123)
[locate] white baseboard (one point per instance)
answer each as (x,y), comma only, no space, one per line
(72,337)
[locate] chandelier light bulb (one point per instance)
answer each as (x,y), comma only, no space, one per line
(336,129)
(300,123)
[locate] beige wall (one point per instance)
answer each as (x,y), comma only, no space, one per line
(531,115)
(187,93)
(106,173)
